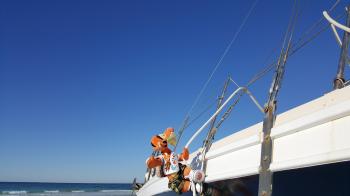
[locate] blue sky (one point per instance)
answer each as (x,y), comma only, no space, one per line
(85,84)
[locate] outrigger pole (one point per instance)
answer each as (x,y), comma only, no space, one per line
(265,174)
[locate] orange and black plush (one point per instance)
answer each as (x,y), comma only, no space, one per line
(177,173)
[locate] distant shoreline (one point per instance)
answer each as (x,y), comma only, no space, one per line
(67,189)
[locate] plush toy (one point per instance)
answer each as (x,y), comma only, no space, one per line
(179,175)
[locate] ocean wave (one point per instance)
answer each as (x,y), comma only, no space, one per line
(51,191)
(105,192)
(14,192)
(108,191)
(78,191)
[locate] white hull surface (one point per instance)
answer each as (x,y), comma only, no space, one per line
(315,133)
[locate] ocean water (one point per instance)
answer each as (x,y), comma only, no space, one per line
(63,189)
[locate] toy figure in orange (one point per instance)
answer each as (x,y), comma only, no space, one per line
(179,175)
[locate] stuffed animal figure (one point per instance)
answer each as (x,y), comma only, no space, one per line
(179,175)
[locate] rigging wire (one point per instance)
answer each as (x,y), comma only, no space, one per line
(188,123)
(317,23)
(201,113)
(334,5)
(215,68)
(290,31)
(312,37)
(274,64)
(229,110)
(212,130)
(219,62)
(290,50)
(276,84)
(297,46)
(180,133)
(279,74)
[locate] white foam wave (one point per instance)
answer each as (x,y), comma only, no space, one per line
(108,191)
(52,191)
(78,191)
(14,192)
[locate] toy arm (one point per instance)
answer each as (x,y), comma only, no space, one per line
(152,162)
(168,132)
(184,155)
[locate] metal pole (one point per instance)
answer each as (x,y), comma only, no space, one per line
(212,130)
(265,174)
(221,98)
(339,79)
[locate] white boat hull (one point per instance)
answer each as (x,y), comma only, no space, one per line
(315,133)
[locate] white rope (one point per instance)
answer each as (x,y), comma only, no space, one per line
(222,57)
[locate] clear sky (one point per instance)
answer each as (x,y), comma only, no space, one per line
(85,84)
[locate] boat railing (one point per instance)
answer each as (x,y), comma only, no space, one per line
(334,24)
(239,89)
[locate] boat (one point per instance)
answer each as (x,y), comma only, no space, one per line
(302,151)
